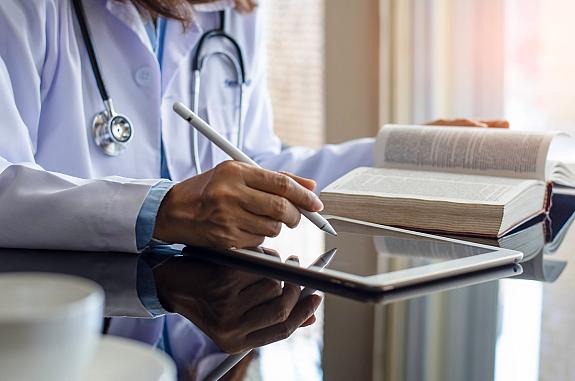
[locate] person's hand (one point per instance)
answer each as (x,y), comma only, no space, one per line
(233,205)
(245,6)
(236,309)
(470,123)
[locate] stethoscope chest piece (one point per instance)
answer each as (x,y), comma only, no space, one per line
(111,132)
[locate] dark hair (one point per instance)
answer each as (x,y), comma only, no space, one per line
(174,9)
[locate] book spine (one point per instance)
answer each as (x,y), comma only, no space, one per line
(548,201)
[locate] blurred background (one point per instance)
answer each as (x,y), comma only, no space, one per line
(342,69)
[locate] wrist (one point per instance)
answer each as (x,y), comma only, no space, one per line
(146,220)
(147,286)
(161,227)
(162,290)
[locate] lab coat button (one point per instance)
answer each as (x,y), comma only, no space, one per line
(143,76)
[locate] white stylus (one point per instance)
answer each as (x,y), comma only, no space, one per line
(236,154)
(232,360)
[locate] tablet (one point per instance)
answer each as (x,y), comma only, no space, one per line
(366,261)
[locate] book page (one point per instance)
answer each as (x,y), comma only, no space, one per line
(561,173)
(481,151)
(429,186)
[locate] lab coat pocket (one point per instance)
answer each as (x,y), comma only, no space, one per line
(224,119)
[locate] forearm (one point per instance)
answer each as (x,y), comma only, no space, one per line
(47,210)
(325,164)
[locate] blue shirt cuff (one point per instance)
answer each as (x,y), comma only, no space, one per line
(147,217)
(146,285)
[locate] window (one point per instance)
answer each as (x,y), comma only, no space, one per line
(295,33)
(295,69)
(508,59)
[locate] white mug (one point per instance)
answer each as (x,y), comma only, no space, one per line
(49,326)
(118,358)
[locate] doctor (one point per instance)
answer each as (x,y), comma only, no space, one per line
(60,190)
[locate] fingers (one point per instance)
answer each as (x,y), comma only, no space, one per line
(260,292)
(470,123)
(302,313)
(226,283)
(273,312)
(496,123)
(293,259)
(258,224)
(307,183)
(285,186)
(233,205)
(457,123)
(240,239)
(312,319)
(270,252)
(276,208)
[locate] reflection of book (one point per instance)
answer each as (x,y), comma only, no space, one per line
(557,237)
(536,239)
(530,241)
(562,215)
(423,248)
(540,234)
(541,268)
(530,238)
(458,180)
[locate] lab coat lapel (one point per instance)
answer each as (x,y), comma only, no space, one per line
(179,40)
(127,13)
(179,43)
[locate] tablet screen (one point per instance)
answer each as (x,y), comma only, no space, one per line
(364,260)
(367,249)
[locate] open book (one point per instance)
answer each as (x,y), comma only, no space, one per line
(538,239)
(450,179)
(562,174)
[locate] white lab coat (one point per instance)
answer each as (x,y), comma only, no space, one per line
(57,189)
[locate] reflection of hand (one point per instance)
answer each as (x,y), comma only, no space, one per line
(470,123)
(236,309)
(233,205)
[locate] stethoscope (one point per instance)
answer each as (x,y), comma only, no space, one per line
(113,131)
(199,63)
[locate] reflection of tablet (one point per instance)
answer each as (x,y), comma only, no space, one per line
(447,284)
(372,260)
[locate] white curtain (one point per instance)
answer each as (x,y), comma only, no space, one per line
(447,59)
(442,58)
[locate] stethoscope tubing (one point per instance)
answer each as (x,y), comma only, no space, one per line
(81,17)
(199,62)
(101,125)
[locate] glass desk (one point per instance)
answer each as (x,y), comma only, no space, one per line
(508,329)
(511,329)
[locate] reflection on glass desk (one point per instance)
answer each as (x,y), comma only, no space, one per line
(123,276)
(473,327)
(434,263)
(513,329)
